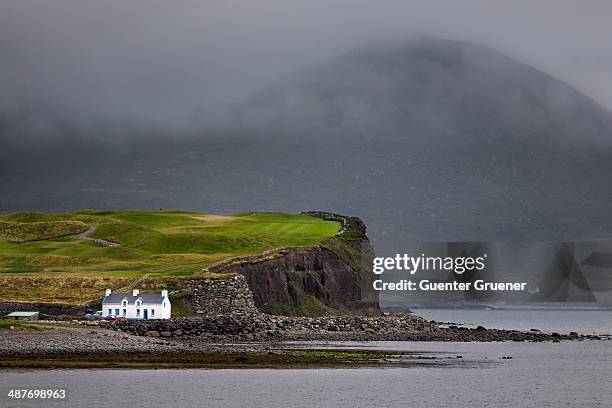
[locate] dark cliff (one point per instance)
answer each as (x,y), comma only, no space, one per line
(333,277)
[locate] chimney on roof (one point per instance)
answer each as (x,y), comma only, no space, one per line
(164,293)
(108,292)
(135,292)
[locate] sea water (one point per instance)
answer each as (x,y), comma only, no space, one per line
(569,374)
(556,320)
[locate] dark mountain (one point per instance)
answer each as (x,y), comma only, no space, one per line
(432,139)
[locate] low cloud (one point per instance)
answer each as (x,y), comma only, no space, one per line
(177,65)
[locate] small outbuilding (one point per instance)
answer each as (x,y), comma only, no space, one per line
(22,316)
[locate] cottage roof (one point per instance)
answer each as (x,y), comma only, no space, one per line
(22,314)
(154,298)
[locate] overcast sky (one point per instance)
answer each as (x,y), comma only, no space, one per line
(163,60)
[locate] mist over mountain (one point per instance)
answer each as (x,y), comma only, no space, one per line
(430,139)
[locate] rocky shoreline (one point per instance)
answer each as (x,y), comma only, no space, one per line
(231,341)
(262,327)
(95,347)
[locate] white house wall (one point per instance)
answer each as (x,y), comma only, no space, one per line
(131,311)
(166,309)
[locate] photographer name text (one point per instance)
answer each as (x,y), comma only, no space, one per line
(456,265)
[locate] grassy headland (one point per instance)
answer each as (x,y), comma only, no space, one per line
(62,257)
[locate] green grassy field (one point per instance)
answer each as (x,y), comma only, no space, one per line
(41,253)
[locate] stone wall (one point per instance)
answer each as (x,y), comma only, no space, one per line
(264,326)
(216,297)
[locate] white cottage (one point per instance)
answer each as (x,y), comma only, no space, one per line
(137,305)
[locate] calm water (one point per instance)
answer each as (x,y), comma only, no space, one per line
(562,321)
(572,374)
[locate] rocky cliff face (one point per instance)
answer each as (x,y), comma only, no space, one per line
(330,278)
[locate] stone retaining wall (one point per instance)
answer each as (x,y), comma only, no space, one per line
(265,326)
(217,297)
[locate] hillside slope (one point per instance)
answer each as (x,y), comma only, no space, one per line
(434,139)
(152,248)
(430,139)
